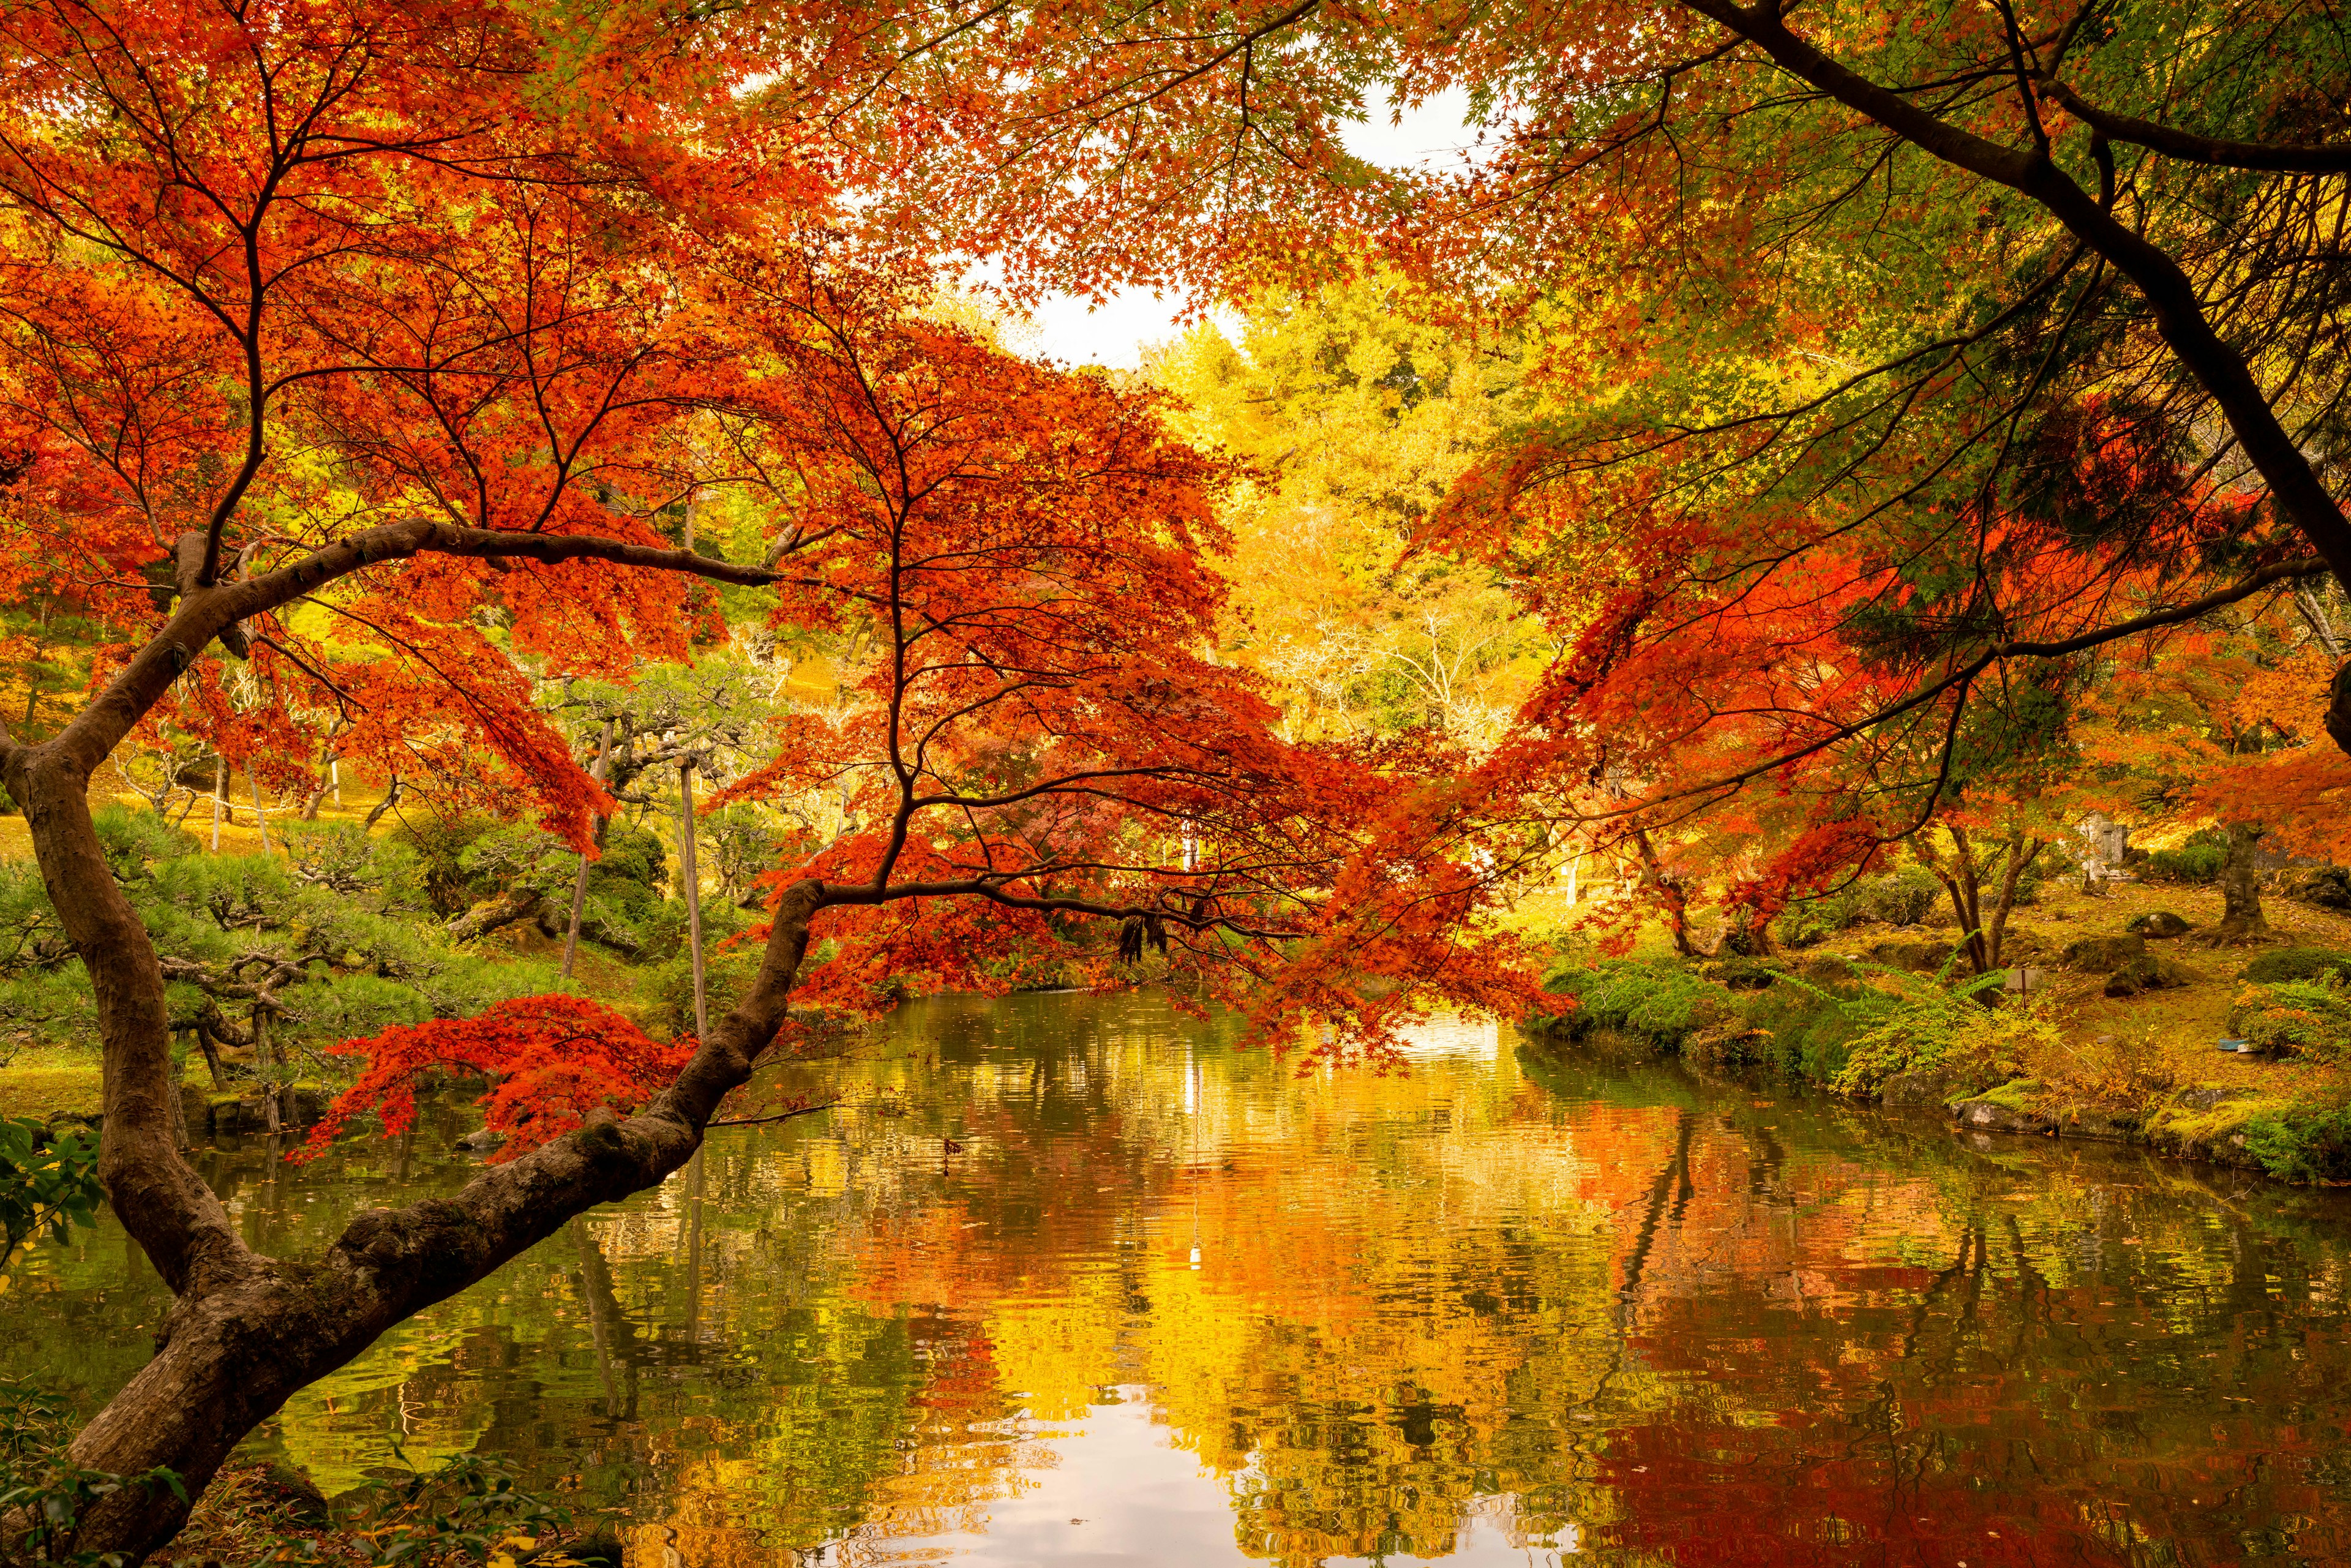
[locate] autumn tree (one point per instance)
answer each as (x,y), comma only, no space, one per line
(399,318)
(1975,341)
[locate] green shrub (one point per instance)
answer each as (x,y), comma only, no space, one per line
(2296,964)
(1904,897)
(1926,1026)
(1809,921)
(2296,1017)
(2197,860)
(1658,1002)
(1812,1027)
(2302,1145)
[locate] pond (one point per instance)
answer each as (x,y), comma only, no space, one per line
(1172,1303)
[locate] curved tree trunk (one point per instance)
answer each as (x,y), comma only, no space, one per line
(248,1330)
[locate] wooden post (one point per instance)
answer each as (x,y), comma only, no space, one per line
(693,880)
(260,821)
(580,882)
(261,1061)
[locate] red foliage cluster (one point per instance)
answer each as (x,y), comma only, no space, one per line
(551,1060)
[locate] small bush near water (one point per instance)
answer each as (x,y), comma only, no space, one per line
(2303,1145)
(1660,1003)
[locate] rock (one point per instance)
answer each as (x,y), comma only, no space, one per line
(598,1550)
(303,1104)
(2328,887)
(2102,954)
(2208,1098)
(1927,1086)
(196,1109)
(64,1124)
(294,1492)
(1920,958)
(481,1141)
(236,1117)
(2158,922)
(1989,1115)
(2149,973)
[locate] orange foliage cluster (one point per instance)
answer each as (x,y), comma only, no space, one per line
(550,1061)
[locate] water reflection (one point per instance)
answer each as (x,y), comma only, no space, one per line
(1066,1280)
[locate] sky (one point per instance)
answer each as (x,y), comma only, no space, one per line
(1114,333)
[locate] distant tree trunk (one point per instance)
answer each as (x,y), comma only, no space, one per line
(260,820)
(514,904)
(692,882)
(1962,876)
(580,882)
(2241,920)
(220,795)
(390,798)
(211,1047)
(1672,895)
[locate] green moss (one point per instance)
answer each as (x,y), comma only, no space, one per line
(2283,964)
(2016,1094)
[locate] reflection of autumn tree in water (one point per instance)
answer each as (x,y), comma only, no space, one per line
(1519,1298)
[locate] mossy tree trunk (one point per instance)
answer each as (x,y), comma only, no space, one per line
(2241,920)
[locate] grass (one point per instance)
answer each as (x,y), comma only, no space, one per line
(42,1079)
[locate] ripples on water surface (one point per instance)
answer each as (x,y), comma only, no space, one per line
(1173,1304)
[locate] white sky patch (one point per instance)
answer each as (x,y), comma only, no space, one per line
(1075,330)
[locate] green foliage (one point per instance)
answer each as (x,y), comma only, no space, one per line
(2197,860)
(44,1190)
(336,938)
(1809,921)
(470,1509)
(1812,1027)
(43,1492)
(2281,964)
(2302,1145)
(2297,1018)
(440,845)
(1661,1003)
(1903,897)
(1925,1025)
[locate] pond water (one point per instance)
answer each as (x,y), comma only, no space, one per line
(1171,1302)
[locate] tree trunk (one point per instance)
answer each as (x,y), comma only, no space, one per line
(1670,894)
(247,1331)
(514,904)
(580,882)
(2021,852)
(690,877)
(2241,921)
(390,798)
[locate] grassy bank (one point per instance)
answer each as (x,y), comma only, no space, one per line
(2116,1035)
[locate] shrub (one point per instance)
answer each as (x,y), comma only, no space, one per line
(1926,1026)
(2296,1017)
(1904,897)
(1812,1027)
(1658,1002)
(2197,860)
(2296,964)
(2302,1145)
(1811,921)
